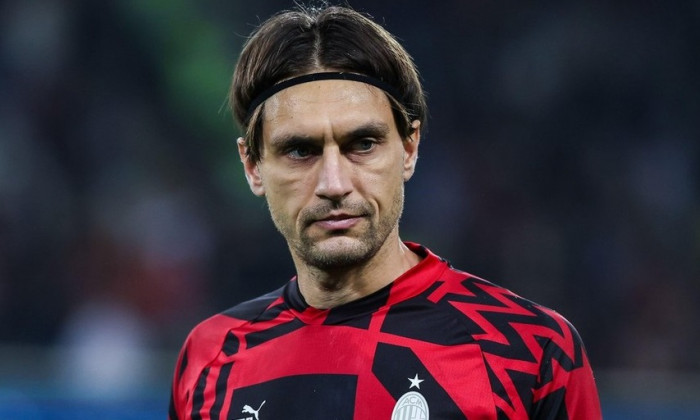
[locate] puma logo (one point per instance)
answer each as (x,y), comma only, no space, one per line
(249,410)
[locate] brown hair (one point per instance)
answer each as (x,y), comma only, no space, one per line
(308,39)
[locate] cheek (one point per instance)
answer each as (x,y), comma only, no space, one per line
(384,185)
(287,194)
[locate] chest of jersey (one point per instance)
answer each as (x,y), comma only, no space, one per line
(345,372)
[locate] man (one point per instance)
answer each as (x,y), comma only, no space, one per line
(370,327)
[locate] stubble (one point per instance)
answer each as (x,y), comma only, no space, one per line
(340,249)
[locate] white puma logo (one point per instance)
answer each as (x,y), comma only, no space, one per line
(248,409)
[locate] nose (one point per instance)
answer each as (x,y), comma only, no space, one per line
(334,178)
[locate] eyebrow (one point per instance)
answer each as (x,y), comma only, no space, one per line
(281,143)
(370,129)
(377,129)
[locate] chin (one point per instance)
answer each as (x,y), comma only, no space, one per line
(339,252)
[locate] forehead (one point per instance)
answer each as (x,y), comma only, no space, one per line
(313,107)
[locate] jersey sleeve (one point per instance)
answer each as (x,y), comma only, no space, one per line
(200,349)
(566,387)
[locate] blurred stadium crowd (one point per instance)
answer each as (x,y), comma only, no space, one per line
(562,160)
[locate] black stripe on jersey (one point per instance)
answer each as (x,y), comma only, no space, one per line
(259,337)
(252,309)
(524,384)
(198,397)
(231,344)
(183,365)
(552,351)
(221,384)
(497,386)
(551,407)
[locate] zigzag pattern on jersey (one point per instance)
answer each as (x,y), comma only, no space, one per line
(522,343)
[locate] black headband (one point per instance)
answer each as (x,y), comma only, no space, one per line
(319,76)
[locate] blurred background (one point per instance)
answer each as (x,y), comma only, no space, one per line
(562,160)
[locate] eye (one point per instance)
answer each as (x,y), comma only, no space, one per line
(300,151)
(363,145)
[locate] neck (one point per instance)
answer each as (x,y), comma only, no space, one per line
(325,289)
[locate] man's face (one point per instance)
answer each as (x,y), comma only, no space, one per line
(333,169)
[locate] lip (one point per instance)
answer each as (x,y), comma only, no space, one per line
(338,221)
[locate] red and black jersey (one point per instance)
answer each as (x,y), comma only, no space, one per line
(437,343)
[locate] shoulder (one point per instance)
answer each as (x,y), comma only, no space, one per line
(255,308)
(525,345)
(509,326)
(475,295)
(492,313)
(208,338)
(211,337)
(236,316)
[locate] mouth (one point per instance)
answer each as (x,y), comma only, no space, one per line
(339,221)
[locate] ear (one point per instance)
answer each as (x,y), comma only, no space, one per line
(251,169)
(410,147)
